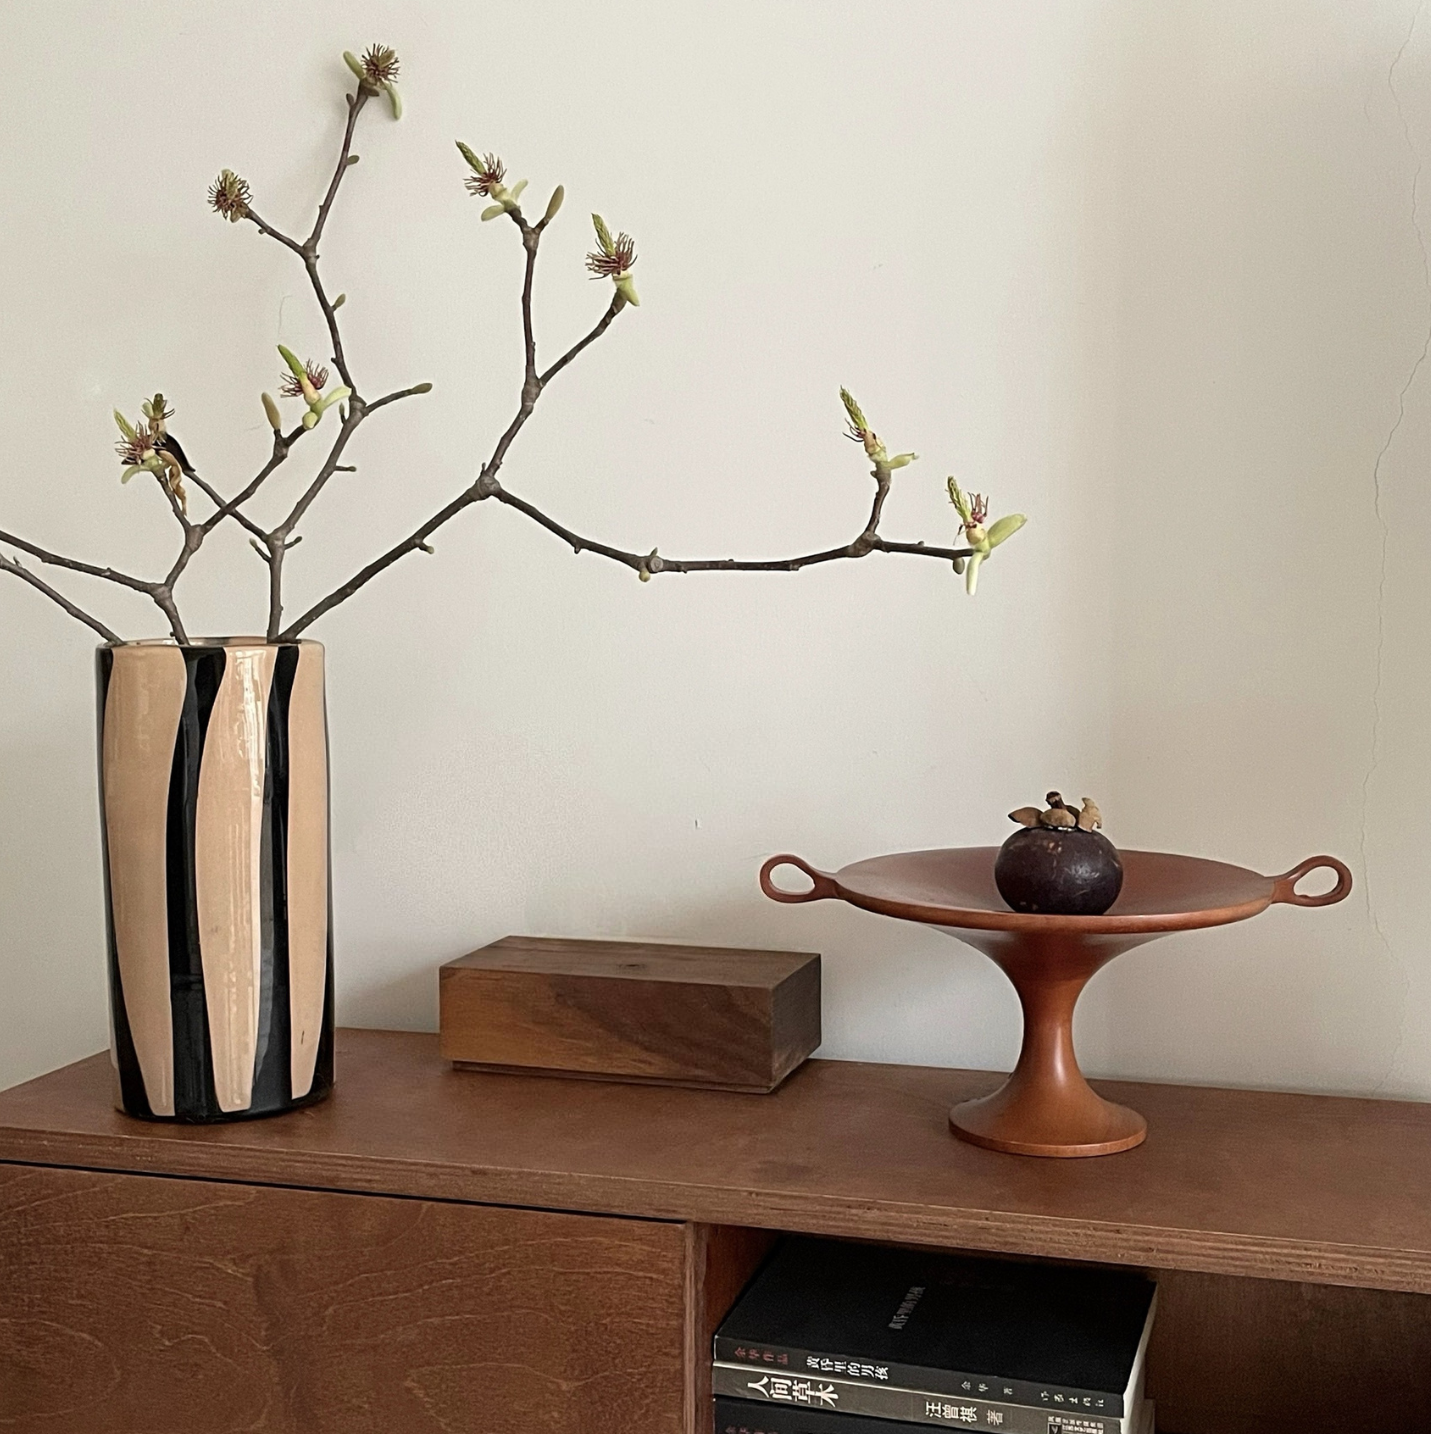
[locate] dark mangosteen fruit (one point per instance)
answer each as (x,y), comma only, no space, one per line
(1059,863)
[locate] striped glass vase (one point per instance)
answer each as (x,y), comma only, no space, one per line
(213,765)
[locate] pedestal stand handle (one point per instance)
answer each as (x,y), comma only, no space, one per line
(1285,887)
(823,888)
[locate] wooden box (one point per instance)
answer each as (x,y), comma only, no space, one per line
(632,1011)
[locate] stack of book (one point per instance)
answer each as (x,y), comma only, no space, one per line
(834,1338)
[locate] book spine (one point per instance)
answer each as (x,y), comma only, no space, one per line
(741,1416)
(779,1359)
(803,1393)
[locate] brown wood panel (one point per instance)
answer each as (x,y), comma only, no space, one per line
(1237,1356)
(699,1016)
(721,1260)
(1234,1182)
(132,1305)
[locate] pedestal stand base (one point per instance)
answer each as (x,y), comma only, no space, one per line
(1046,1107)
(1003,1122)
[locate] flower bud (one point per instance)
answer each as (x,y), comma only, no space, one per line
(275,418)
(291,359)
(553,204)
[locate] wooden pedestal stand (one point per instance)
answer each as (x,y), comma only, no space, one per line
(1046,1107)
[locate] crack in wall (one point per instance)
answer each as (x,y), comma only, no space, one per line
(1384,555)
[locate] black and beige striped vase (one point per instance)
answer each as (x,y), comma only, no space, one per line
(213,763)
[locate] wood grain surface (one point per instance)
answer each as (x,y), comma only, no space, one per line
(131,1305)
(1235,1356)
(642,1011)
(1288,1187)
(721,1261)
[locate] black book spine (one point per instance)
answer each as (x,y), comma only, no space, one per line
(814,1394)
(807,1362)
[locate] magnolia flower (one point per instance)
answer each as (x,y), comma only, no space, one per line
(973,509)
(612,259)
(229,195)
(486,179)
(306,381)
(861,433)
(376,72)
(143,448)
(306,384)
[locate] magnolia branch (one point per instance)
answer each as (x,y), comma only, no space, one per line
(646,565)
(148,446)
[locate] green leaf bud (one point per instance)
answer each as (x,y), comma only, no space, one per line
(1005,528)
(553,204)
(354,64)
(469,155)
(323,404)
(275,418)
(493,211)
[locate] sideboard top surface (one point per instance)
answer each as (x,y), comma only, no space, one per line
(1315,1188)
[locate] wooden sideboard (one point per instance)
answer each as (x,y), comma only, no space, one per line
(463,1253)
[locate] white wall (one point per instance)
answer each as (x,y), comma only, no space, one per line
(1153,274)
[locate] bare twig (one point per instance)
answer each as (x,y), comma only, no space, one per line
(13,565)
(531,238)
(282,442)
(160,593)
(220,506)
(273,233)
(56,560)
(614,308)
(355,108)
(388,398)
(654,563)
(310,246)
(277,538)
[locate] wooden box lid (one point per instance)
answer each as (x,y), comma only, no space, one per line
(632,1010)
